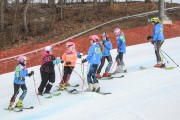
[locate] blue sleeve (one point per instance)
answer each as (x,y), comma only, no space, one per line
(108,45)
(156,32)
(90,53)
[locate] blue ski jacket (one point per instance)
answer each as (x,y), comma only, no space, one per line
(94,54)
(121,43)
(20,71)
(158,32)
(107,47)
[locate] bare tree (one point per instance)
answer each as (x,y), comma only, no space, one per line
(111,2)
(51,3)
(95,5)
(149,0)
(24,15)
(2,15)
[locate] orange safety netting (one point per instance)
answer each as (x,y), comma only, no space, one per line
(133,36)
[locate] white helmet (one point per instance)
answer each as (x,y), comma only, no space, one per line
(117,31)
(48,48)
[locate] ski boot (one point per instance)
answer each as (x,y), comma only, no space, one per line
(96,87)
(159,65)
(90,88)
(106,74)
(98,76)
(47,92)
(62,87)
(19,104)
(11,105)
(120,69)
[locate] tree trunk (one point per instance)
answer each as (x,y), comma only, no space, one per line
(62,9)
(95,5)
(2,15)
(24,16)
(51,3)
(82,1)
(111,2)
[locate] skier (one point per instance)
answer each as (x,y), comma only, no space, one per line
(94,57)
(69,58)
(21,72)
(106,55)
(47,71)
(157,40)
(121,49)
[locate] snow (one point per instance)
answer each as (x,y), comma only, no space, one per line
(150,94)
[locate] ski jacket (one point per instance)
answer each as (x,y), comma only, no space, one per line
(70,56)
(107,47)
(94,54)
(20,71)
(47,63)
(121,43)
(158,32)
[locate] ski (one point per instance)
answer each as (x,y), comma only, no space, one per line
(165,68)
(76,85)
(31,107)
(14,109)
(110,78)
(74,91)
(51,95)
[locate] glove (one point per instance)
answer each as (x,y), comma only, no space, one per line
(56,61)
(68,63)
(31,73)
(62,61)
(149,37)
(84,60)
(152,42)
(21,78)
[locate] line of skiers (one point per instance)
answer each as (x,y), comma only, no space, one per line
(97,53)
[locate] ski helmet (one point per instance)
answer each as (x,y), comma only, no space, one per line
(117,31)
(155,19)
(22,58)
(69,44)
(104,35)
(48,48)
(95,38)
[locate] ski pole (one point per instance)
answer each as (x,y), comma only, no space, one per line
(170,58)
(164,57)
(36,91)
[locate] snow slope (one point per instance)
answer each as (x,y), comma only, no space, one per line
(151,94)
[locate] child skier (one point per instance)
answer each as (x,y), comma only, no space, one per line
(106,55)
(121,49)
(47,71)
(69,58)
(157,40)
(21,72)
(94,57)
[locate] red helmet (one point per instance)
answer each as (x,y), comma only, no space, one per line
(22,58)
(95,38)
(117,31)
(69,44)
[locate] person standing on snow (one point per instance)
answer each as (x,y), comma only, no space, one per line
(106,55)
(69,59)
(47,71)
(157,40)
(94,57)
(21,72)
(121,49)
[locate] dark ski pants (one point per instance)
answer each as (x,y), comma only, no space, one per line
(119,59)
(91,76)
(47,81)
(109,59)
(16,92)
(157,47)
(67,73)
